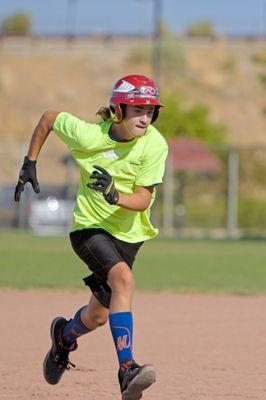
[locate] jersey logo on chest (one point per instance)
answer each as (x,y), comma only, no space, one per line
(110,154)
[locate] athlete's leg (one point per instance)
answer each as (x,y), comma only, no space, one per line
(65,334)
(85,320)
(121,281)
(94,314)
(133,378)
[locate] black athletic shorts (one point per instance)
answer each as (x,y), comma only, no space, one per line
(101,251)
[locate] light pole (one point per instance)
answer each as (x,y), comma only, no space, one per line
(71,13)
(156,52)
(264,19)
(156,62)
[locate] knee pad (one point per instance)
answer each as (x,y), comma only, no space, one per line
(101,290)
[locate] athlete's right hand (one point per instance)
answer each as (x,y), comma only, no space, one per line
(27,174)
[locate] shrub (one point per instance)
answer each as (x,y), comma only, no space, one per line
(142,54)
(17,24)
(172,53)
(262,79)
(260,56)
(201,29)
(252,213)
(199,215)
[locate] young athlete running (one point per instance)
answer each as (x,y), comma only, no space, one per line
(121,160)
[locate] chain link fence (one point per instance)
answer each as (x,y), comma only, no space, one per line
(227,203)
(195,200)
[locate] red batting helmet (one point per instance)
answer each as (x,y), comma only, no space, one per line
(134,90)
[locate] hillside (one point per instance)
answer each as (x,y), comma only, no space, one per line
(36,75)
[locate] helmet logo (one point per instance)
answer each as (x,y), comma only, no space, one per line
(124,87)
(148,90)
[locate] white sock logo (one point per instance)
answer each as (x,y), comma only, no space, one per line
(122,343)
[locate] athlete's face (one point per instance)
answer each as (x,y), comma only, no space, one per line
(137,120)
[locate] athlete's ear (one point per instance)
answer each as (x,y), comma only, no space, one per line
(116,113)
(112,111)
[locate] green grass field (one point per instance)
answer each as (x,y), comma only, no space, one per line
(171,265)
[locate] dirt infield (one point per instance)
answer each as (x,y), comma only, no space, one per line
(204,347)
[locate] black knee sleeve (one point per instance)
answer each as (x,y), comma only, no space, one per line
(101,290)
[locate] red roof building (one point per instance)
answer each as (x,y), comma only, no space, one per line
(192,155)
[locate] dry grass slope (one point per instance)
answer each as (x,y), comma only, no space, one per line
(77,77)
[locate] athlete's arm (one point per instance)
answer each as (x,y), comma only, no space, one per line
(137,201)
(40,134)
(28,170)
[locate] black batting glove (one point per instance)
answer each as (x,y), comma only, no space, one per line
(27,174)
(104,183)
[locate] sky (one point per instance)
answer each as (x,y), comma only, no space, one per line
(238,17)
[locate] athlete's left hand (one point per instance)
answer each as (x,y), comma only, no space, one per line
(104,183)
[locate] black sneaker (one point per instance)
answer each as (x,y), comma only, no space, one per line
(133,379)
(56,360)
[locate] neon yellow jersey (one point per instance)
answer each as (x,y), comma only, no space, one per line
(139,162)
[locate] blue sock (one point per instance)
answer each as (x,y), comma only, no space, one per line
(121,325)
(74,329)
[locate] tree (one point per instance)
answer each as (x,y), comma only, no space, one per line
(18,24)
(176,120)
(201,29)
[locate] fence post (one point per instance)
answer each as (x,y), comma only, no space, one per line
(168,198)
(232,195)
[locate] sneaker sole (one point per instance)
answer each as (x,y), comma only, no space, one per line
(145,378)
(48,354)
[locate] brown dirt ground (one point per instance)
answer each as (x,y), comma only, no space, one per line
(204,347)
